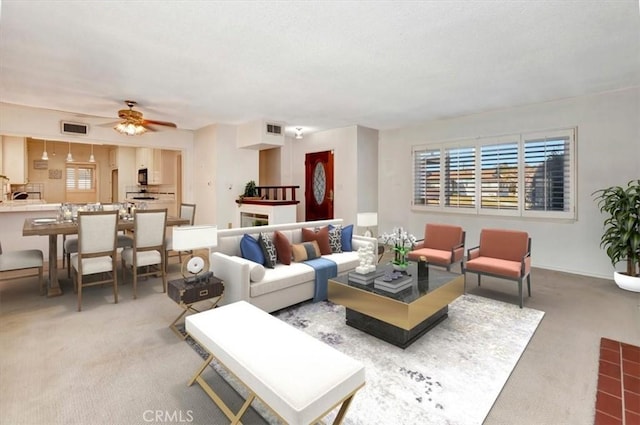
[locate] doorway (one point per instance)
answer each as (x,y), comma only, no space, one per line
(318,178)
(114,186)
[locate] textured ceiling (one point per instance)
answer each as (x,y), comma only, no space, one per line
(312,64)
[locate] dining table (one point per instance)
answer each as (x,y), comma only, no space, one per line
(53,227)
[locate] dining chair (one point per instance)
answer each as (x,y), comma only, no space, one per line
(187,211)
(148,247)
(97,251)
(70,244)
(22,260)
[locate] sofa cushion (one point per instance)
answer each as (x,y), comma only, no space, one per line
(346,261)
(335,239)
(250,249)
(282,277)
(268,249)
(283,247)
(320,235)
(305,251)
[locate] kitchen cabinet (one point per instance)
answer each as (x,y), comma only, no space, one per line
(151,159)
(14,159)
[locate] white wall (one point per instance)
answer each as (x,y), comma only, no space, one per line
(343,142)
(367,191)
(608,153)
(220,171)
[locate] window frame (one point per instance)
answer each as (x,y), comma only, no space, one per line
(521,139)
(76,166)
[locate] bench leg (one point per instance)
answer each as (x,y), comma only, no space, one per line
(343,411)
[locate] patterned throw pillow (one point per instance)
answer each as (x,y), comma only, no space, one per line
(250,249)
(335,239)
(305,251)
(268,249)
(345,237)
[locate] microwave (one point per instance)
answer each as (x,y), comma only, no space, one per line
(143,176)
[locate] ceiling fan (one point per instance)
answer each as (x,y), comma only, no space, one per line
(133,123)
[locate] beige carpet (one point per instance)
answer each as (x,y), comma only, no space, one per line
(121,364)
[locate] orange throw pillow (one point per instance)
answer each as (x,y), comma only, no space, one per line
(321,236)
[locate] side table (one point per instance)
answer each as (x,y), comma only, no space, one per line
(188,294)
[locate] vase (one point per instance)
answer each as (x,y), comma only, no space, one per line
(400,261)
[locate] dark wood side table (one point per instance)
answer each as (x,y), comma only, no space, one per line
(187,294)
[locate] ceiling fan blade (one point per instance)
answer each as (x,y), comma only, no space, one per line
(163,123)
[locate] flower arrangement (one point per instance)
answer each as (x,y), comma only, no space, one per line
(401,242)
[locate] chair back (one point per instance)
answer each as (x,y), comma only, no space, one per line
(442,236)
(149,228)
(97,231)
(509,245)
(188,211)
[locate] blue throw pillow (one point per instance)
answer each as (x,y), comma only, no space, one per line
(251,250)
(345,238)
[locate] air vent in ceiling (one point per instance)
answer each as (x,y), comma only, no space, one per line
(275,129)
(74,128)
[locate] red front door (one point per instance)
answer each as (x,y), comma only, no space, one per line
(318,178)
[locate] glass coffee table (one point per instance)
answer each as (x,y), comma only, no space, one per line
(399,317)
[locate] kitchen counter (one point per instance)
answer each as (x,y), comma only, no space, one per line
(28,205)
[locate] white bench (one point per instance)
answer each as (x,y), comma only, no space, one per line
(299,377)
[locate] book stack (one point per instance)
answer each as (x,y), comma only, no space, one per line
(393,285)
(365,279)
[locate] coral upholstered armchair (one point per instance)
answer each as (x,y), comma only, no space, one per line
(502,253)
(443,245)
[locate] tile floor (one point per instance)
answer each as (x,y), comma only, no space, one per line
(618,395)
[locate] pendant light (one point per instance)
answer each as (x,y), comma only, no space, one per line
(69,156)
(91,157)
(45,156)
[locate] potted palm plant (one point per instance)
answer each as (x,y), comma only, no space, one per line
(621,237)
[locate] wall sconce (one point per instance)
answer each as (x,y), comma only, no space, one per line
(69,156)
(45,155)
(298,132)
(368,220)
(91,157)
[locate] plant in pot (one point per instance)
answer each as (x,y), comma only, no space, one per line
(250,191)
(621,236)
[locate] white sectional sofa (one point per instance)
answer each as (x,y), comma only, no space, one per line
(274,288)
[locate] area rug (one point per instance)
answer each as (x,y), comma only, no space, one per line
(451,375)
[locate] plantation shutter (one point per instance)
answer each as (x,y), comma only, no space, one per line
(460,179)
(499,176)
(426,177)
(548,173)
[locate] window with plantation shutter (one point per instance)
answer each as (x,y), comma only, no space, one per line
(459,177)
(548,175)
(529,174)
(80,177)
(426,177)
(499,176)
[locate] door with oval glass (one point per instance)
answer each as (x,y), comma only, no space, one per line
(318,185)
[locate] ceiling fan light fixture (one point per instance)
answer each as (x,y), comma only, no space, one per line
(298,132)
(130,128)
